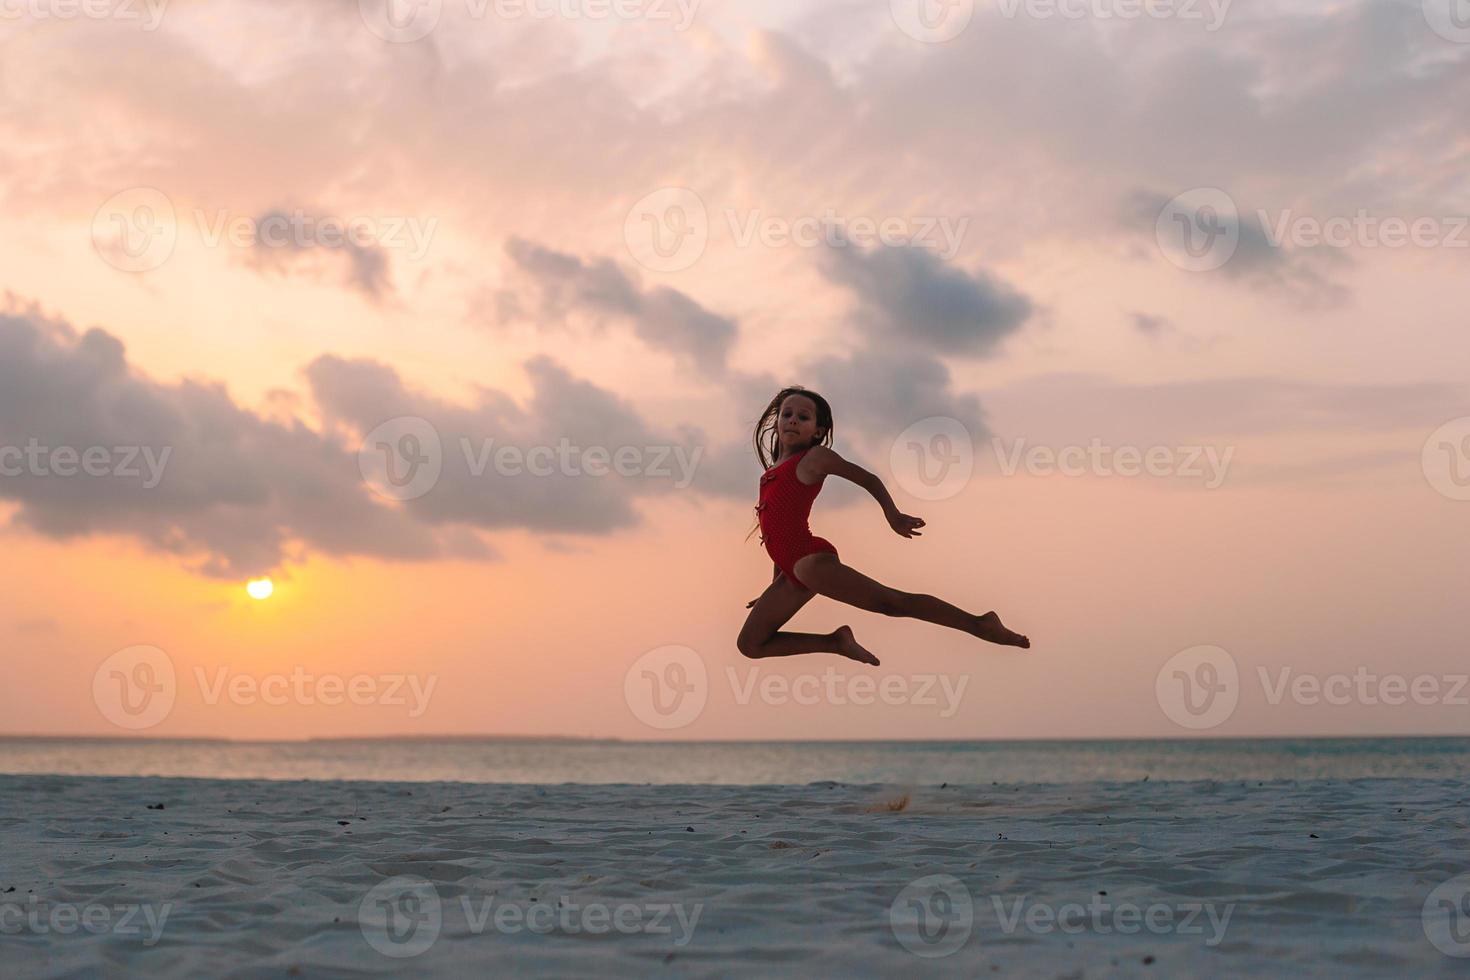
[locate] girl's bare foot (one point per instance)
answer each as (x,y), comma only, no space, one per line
(849,647)
(989,627)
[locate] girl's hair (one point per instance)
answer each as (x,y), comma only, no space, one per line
(767,434)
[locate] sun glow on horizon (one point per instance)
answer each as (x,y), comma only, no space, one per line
(260,588)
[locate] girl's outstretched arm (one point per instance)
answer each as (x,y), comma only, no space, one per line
(821,461)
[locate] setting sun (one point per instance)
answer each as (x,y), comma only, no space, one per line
(260,588)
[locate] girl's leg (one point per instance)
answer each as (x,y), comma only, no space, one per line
(824,573)
(761,636)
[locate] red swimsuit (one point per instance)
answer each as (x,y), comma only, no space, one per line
(785,505)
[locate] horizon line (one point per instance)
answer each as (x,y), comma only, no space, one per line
(451,737)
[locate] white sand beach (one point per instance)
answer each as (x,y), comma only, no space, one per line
(183,877)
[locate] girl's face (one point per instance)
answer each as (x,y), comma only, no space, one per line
(797,422)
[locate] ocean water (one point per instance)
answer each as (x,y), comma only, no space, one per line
(744,763)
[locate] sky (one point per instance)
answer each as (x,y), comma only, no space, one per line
(453,320)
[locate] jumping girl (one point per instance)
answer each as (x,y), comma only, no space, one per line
(792,440)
